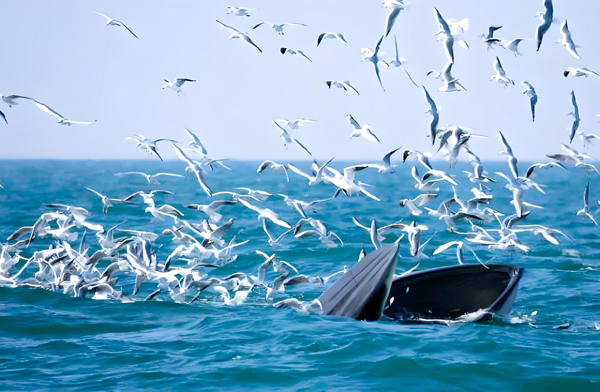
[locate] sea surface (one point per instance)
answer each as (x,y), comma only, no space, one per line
(49,340)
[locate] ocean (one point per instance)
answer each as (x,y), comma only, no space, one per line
(49,340)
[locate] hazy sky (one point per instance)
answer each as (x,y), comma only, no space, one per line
(62,54)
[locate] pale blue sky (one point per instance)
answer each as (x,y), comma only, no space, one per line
(62,54)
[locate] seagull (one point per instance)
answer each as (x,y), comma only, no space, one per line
(387,164)
(543,232)
(479,175)
(435,117)
(292,51)
(194,167)
(567,40)
(3,116)
(10,100)
(277,167)
(362,130)
(278,27)
(148,144)
(533,98)
(587,138)
(513,45)
(341,84)
(457,29)
(399,62)
(421,200)
(287,139)
(265,213)
(212,208)
(373,56)
(512,160)
(151,178)
(576,118)
(585,211)
(295,125)
(301,206)
(489,38)
(312,180)
(323,36)
(396,7)
(459,251)
(176,86)
(577,72)
(451,83)
(274,241)
(114,22)
(196,144)
(106,201)
(500,76)
(61,119)
(239,11)
(446,35)
(255,194)
(237,300)
(236,34)
(147,197)
(547,17)
(542,165)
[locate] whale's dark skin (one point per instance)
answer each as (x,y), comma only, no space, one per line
(362,291)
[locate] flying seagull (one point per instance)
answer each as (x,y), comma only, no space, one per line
(567,41)
(114,22)
(399,62)
(61,119)
(533,98)
(148,144)
(362,130)
(433,110)
(292,51)
(287,139)
(547,16)
(576,118)
(500,76)
(176,86)
(373,56)
(11,99)
(341,84)
(577,72)
(237,34)
(323,36)
(278,27)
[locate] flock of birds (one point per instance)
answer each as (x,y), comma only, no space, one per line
(78,266)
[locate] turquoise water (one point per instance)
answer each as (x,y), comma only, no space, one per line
(51,340)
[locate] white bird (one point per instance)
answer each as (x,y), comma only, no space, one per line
(457,29)
(176,85)
(274,241)
(372,55)
(237,300)
(396,7)
(512,160)
(212,208)
(3,116)
(195,168)
(547,17)
(151,178)
(294,51)
(567,40)
(341,84)
(362,130)
(576,118)
(301,206)
(346,183)
(543,232)
(445,35)
(326,35)
(61,119)
(277,167)
(312,180)
(533,98)
(542,165)
(148,144)
(237,34)
(399,62)
(114,22)
(435,114)
(451,83)
(295,125)
(106,201)
(587,138)
(387,164)
(585,211)
(278,27)
(196,145)
(577,72)
(239,11)
(287,139)
(513,45)
(10,100)
(459,251)
(413,205)
(500,76)
(266,213)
